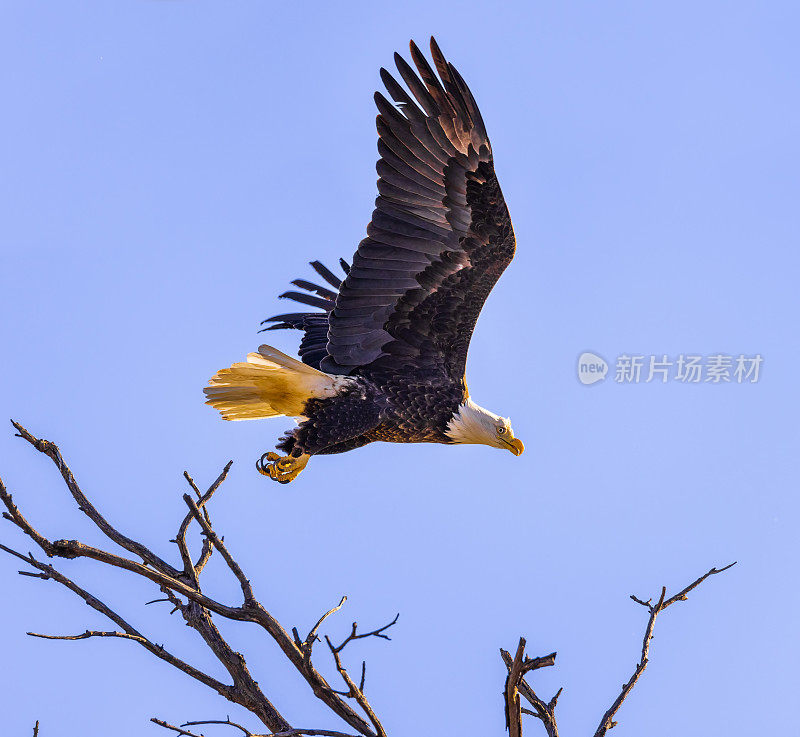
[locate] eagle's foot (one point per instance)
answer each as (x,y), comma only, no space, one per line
(282,469)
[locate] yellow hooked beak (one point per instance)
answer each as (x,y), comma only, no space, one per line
(516,446)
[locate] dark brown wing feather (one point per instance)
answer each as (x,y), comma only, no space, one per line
(439,239)
(314,324)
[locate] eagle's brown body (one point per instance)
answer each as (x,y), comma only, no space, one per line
(405,410)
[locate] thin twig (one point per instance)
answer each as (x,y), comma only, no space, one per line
(286,733)
(311,638)
(190,569)
(354,635)
(217,542)
(227,722)
(51,451)
(14,515)
(86,635)
(179,730)
(310,732)
(607,722)
(129,632)
(354,691)
(681,595)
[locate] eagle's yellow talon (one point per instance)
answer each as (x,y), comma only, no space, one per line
(282,469)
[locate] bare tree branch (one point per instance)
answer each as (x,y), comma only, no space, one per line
(84,505)
(227,722)
(513,707)
(354,635)
(287,733)
(354,691)
(312,635)
(85,635)
(519,666)
(181,587)
(193,570)
(217,542)
(179,730)
(607,722)
(310,732)
(129,632)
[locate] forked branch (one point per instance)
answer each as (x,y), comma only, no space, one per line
(520,665)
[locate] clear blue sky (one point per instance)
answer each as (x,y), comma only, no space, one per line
(168,167)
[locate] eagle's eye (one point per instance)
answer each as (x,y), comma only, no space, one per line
(501,430)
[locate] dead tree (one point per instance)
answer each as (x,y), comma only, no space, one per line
(520,665)
(180,586)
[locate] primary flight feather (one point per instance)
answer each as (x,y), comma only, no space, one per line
(385,358)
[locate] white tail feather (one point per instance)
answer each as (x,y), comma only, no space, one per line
(269,384)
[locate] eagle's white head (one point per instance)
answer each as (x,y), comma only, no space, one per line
(474,424)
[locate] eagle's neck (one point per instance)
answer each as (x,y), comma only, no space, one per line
(472,423)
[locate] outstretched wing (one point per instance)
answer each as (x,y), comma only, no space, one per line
(440,234)
(439,239)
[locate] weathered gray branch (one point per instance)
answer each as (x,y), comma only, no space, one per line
(181,587)
(520,665)
(181,730)
(607,722)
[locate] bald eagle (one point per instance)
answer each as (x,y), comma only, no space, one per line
(384,359)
